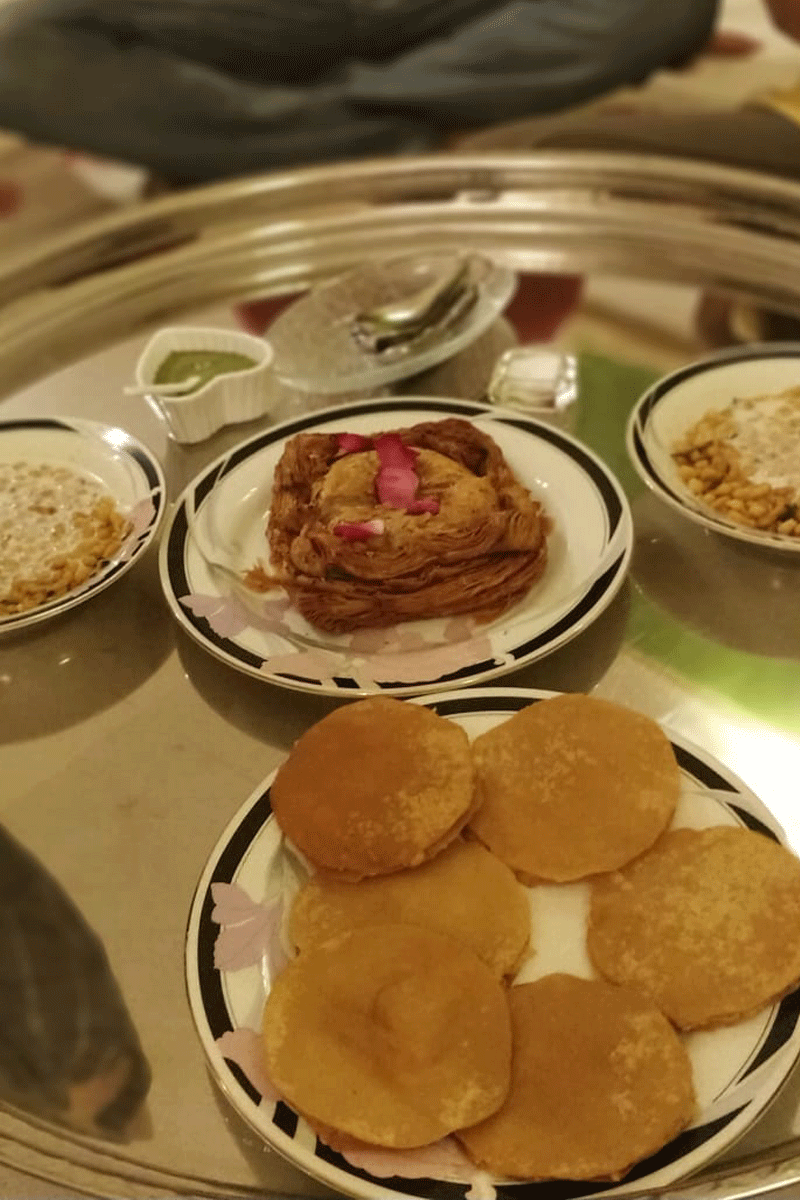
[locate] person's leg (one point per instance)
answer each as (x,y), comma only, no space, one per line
(64,84)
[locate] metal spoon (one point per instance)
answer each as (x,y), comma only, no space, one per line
(402,320)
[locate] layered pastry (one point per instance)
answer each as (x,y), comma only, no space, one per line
(427,521)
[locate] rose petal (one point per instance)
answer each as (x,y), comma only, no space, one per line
(429,504)
(352,443)
(358,531)
(397,481)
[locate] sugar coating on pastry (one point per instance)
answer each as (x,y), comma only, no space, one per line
(465,892)
(573,786)
(707,924)
(391,1034)
(599,1081)
(374,787)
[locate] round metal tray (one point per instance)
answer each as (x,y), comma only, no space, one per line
(649,218)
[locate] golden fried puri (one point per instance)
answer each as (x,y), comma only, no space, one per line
(374,787)
(573,786)
(599,1081)
(465,892)
(707,924)
(391,1034)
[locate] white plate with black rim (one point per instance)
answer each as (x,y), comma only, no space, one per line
(236,944)
(217,532)
(677,401)
(107,456)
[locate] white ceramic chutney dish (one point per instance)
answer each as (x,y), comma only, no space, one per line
(227,399)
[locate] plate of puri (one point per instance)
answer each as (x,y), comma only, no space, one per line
(497,942)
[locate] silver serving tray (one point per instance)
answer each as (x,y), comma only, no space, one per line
(652,218)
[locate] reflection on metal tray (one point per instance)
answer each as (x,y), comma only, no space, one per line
(111,738)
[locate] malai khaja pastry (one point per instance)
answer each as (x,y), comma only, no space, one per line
(573,786)
(707,924)
(393,1035)
(599,1081)
(374,787)
(426,521)
(464,892)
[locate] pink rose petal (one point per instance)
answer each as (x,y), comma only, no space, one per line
(352,443)
(427,505)
(358,531)
(397,481)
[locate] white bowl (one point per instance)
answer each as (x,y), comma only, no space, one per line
(225,400)
(674,403)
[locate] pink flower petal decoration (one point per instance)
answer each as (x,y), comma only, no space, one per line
(428,504)
(141,516)
(441,1160)
(249,930)
(232,905)
(352,443)
(245,1048)
(311,664)
(368,641)
(397,481)
(458,629)
(410,642)
(225,614)
(358,531)
(425,664)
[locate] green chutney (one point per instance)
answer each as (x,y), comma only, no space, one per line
(204,364)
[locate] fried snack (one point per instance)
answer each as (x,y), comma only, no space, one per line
(58,527)
(464,892)
(476,550)
(742,461)
(599,1081)
(707,924)
(391,1034)
(375,787)
(573,786)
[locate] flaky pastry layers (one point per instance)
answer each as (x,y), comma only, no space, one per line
(478,554)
